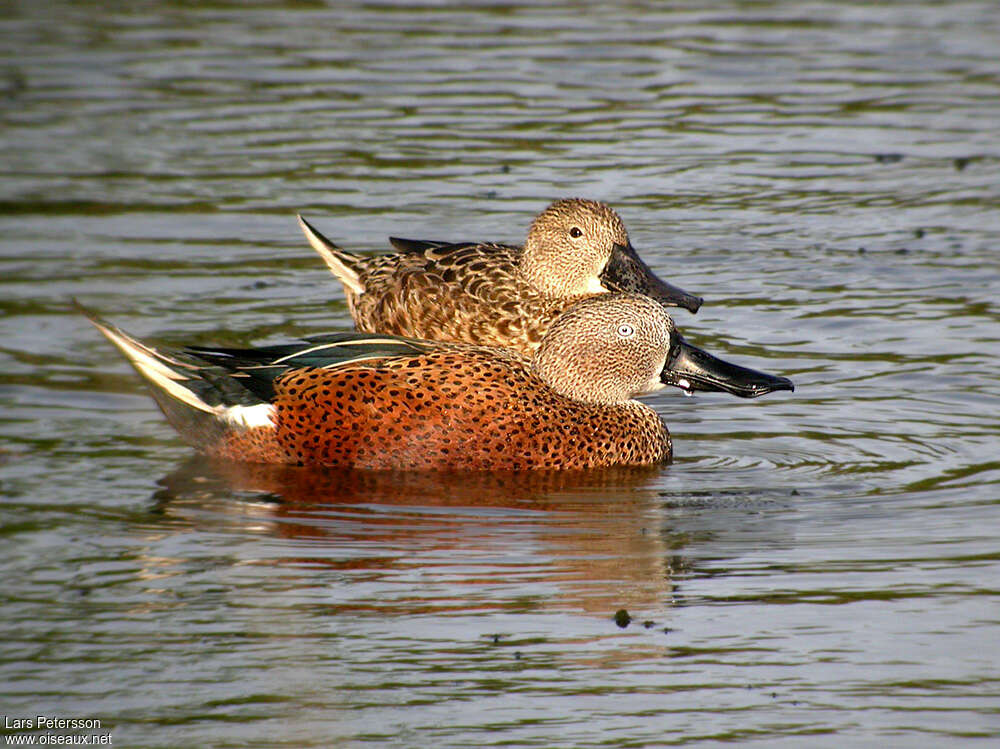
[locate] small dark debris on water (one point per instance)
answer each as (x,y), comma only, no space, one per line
(649,624)
(496,639)
(888,158)
(260,284)
(961,162)
(13,83)
(622,618)
(902,251)
(919,233)
(667,630)
(517,655)
(505,169)
(862,250)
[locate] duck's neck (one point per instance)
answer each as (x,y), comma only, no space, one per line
(569,372)
(556,273)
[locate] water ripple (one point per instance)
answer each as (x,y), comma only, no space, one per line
(813,564)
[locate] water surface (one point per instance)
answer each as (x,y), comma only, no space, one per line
(818,567)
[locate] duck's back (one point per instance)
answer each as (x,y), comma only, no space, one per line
(465,292)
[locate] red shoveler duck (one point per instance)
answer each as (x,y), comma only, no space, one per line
(383,402)
(495,294)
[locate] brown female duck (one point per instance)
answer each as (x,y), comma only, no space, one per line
(496,294)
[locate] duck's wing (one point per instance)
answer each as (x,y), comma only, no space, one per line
(263,365)
(205,390)
(420,245)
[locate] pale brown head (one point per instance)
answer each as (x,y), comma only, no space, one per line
(569,244)
(606,349)
(610,348)
(578,247)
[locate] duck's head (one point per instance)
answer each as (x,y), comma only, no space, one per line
(577,247)
(611,348)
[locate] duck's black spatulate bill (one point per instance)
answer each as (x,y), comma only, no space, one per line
(692,370)
(626,271)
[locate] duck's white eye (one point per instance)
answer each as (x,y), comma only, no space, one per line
(625,330)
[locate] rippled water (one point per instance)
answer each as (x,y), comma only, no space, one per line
(818,567)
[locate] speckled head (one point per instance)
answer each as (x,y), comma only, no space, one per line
(607,349)
(577,247)
(569,244)
(610,348)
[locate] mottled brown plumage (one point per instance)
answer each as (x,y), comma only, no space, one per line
(495,294)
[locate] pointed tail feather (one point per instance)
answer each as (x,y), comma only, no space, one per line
(198,402)
(343,265)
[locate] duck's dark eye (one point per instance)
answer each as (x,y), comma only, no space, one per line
(575,232)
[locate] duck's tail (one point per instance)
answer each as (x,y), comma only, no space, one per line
(344,265)
(203,402)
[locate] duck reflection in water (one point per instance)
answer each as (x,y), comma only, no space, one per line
(591,539)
